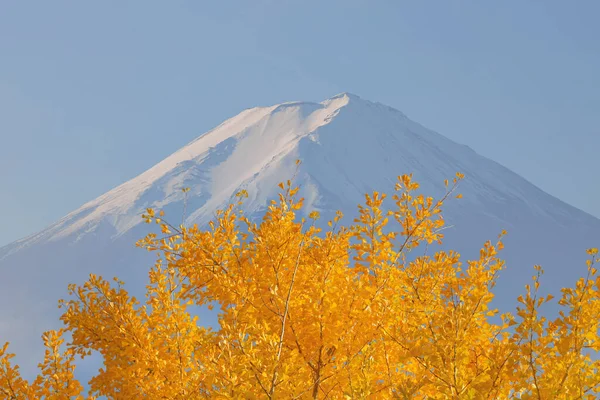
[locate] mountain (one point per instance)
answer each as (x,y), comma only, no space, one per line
(348,146)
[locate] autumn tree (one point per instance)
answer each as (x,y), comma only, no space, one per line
(347,312)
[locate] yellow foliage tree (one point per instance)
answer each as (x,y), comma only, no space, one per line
(343,313)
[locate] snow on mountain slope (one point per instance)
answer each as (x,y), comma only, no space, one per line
(348,146)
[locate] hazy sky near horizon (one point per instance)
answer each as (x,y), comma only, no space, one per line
(94,93)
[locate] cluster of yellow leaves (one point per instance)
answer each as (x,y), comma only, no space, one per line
(303,313)
(56,380)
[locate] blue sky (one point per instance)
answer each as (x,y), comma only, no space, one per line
(94,93)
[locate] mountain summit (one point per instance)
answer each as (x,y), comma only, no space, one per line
(348,147)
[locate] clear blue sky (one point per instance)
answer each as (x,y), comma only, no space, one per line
(93,93)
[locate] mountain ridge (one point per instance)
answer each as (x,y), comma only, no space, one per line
(247,116)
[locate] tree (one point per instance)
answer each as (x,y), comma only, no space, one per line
(345,312)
